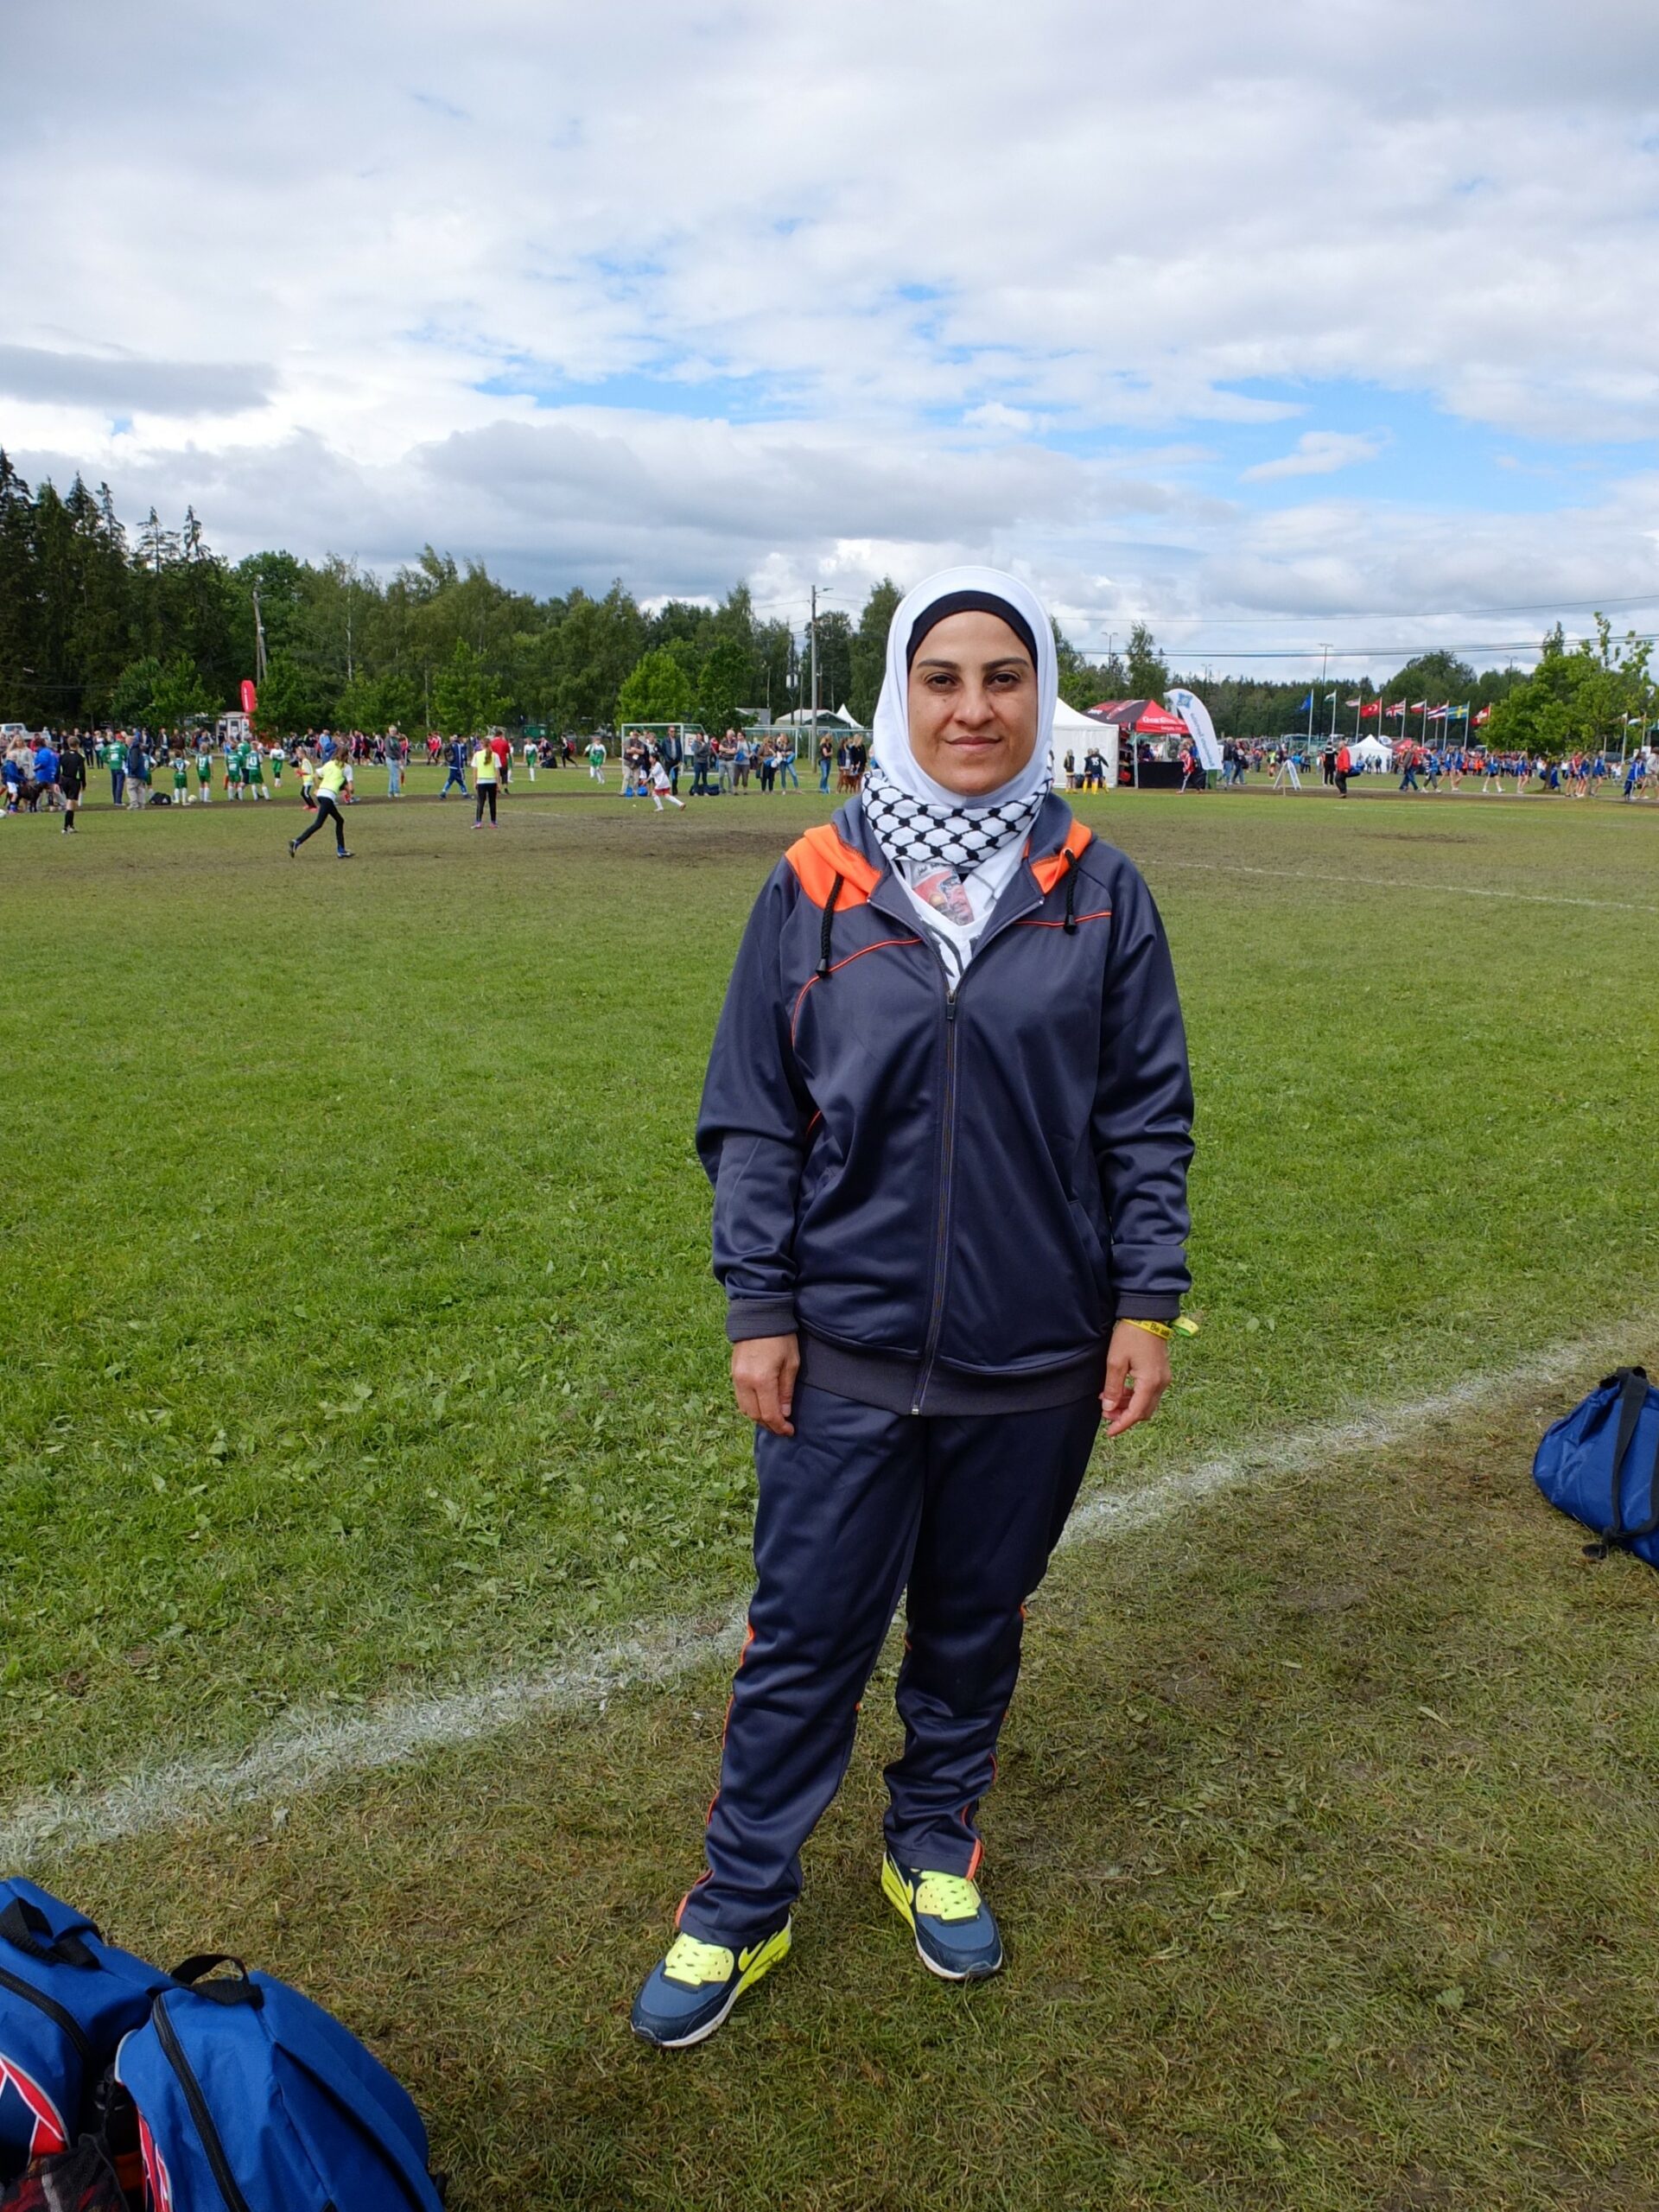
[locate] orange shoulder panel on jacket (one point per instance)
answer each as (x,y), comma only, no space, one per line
(1048,872)
(820,857)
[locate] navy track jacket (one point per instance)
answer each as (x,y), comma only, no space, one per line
(951,1196)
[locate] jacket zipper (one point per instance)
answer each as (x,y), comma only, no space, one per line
(947,1164)
(947,1142)
(168,2036)
(53,2012)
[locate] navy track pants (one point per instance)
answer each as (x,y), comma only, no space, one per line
(857,1506)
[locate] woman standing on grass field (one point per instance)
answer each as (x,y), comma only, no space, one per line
(947,1119)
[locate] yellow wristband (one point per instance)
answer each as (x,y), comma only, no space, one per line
(1153,1328)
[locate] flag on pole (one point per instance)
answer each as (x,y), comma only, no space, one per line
(1458,714)
(1369,714)
(1483,718)
(1403,709)
(1418,706)
(1305,705)
(1437,713)
(1351,702)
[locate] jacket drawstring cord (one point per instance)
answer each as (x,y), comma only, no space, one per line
(1070,925)
(826,926)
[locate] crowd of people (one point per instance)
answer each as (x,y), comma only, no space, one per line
(45,775)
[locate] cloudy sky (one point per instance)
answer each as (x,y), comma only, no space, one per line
(1271,326)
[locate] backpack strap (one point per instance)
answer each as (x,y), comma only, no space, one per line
(193,1974)
(27,1928)
(1632,1398)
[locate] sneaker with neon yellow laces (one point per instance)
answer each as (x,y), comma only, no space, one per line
(688,1995)
(955,1932)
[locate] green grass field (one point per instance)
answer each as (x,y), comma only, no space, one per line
(361,1339)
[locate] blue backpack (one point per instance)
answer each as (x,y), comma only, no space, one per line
(66,1999)
(1601,1465)
(252,2098)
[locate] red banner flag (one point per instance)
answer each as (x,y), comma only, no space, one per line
(249,696)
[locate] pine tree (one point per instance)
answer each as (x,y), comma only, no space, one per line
(19,596)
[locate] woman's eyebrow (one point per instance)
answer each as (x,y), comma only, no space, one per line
(1002,660)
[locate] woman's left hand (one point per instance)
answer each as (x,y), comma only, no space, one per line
(1137,1375)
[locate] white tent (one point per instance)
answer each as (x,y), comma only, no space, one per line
(1373,752)
(1077,734)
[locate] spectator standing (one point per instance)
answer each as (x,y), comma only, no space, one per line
(45,773)
(138,779)
(671,753)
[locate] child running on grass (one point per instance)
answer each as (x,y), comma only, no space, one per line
(661,788)
(330,782)
(596,760)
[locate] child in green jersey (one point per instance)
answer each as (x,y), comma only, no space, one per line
(205,774)
(253,772)
(180,779)
(596,760)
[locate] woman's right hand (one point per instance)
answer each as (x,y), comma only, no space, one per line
(763,1376)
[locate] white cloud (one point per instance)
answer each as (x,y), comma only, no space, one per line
(679,292)
(1318,453)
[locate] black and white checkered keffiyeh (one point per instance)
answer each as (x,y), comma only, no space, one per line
(919,830)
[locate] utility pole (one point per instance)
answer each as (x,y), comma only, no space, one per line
(814,664)
(258,641)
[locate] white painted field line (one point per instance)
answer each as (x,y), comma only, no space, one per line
(306,1750)
(1402,883)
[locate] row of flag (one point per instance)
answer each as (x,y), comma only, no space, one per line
(1372,710)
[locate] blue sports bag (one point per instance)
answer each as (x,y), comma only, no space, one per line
(66,1999)
(1601,1465)
(252,2098)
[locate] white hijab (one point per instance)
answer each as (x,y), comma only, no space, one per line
(890,733)
(957,913)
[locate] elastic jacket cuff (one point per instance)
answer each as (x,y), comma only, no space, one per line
(1147,1308)
(760,1317)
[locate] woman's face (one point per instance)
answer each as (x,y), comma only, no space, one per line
(973,705)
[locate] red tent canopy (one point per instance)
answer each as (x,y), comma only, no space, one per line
(1144,716)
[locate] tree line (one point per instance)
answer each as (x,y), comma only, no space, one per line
(99,625)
